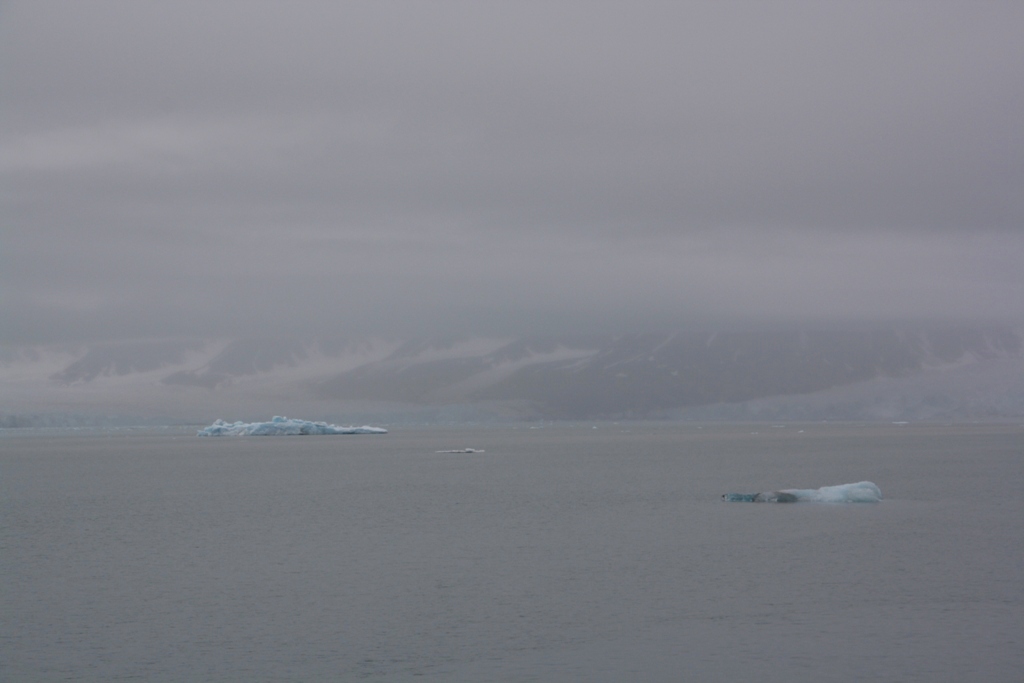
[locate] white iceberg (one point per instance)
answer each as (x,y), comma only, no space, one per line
(282,426)
(860,492)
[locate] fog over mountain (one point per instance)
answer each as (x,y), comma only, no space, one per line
(560,186)
(888,373)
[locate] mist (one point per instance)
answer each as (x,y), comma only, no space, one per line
(266,169)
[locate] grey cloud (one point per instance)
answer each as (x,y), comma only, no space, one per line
(217,168)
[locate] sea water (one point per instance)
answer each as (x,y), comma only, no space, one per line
(596,552)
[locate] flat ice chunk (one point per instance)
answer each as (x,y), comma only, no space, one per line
(282,426)
(861,492)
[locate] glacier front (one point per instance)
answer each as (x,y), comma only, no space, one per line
(282,426)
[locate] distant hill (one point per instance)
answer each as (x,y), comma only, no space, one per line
(896,372)
(648,375)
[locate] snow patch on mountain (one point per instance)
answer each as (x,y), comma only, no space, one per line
(777,374)
(259,363)
(433,351)
(502,370)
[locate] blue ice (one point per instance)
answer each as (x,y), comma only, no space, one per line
(282,426)
(860,492)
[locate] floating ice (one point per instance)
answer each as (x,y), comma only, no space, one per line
(766,497)
(464,450)
(282,426)
(861,492)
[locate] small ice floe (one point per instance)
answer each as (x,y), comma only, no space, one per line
(463,450)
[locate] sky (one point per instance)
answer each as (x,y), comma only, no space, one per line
(224,169)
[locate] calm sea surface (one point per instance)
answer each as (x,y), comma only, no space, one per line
(562,553)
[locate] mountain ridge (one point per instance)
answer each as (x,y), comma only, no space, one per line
(629,376)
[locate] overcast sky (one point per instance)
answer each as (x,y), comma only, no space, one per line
(238,168)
